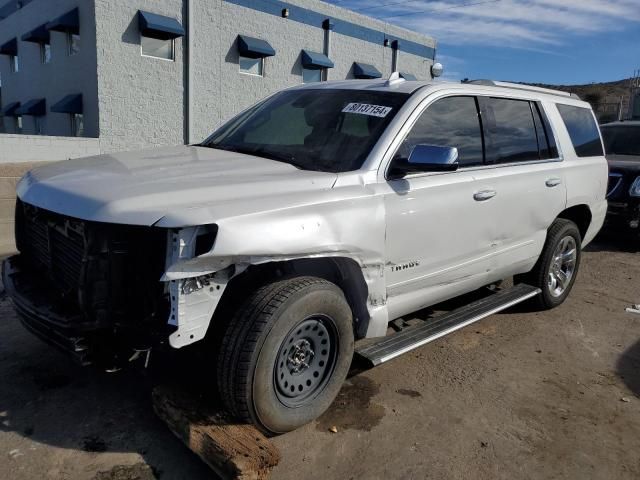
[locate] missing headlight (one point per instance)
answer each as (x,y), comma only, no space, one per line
(205,240)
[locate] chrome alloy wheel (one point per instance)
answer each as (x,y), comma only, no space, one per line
(563,266)
(306,360)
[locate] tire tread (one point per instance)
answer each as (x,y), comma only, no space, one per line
(240,340)
(538,275)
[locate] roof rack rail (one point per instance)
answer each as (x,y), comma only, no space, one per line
(520,86)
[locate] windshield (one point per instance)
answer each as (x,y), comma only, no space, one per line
(322,130)
(622,140)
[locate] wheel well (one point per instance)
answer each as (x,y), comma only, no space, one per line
(580,215)
(344,272)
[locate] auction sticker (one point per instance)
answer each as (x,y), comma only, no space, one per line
(366,109)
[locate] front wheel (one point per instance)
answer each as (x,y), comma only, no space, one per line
(557,268)
(286,353)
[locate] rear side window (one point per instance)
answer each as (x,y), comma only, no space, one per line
(510,130)
(582,129)
(449,122)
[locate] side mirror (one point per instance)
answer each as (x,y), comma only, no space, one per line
(427,158)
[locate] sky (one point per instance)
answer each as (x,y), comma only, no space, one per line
(543,41)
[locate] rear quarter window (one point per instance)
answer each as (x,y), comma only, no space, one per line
(582,129)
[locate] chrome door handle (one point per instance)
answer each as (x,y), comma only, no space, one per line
(484,195)
(553,182)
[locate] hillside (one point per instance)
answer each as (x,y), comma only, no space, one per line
(596,93)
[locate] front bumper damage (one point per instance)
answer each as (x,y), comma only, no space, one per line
(63,330)
(195,286)
(193,302)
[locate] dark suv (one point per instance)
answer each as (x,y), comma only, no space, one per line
(622,144)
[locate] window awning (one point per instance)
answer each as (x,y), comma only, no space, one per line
(38,35)
(364,70)
(408,76)
(36,108)
(69,104)
(315,61)
(158,26)
(10,48)
(69,22)
(10,110)
(254,47)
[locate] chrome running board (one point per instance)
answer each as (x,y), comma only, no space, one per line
(410,338)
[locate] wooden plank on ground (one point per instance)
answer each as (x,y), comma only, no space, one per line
(232,450)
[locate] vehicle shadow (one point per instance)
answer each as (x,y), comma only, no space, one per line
(49,400)
(609,240)
(628,368)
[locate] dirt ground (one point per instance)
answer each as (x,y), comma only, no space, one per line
(516,396)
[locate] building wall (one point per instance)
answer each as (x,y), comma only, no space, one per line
(65,74)
(221,91)
(39,148)
(132,101)
(141,99)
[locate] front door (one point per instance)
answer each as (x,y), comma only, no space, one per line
(439,227)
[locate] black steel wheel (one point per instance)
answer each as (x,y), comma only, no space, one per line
(306,360)
(286,353)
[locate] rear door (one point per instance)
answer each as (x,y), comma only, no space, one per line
(525,177)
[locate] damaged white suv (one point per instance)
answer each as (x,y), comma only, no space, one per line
(301,228)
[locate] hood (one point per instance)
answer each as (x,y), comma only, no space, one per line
(627,163)
(141,188)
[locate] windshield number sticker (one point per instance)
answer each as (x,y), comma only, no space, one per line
(366,109)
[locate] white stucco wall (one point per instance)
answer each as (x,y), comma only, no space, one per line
(132,101)
(64,75)
(38,148)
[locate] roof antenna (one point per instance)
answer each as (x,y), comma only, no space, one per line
(394,79)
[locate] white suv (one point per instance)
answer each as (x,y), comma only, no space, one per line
(301,228)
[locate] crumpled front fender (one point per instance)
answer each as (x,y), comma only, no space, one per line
(351,229)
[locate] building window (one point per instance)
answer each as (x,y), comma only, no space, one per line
(15,63)
(39,125)
(77,125)
(158,48)
(18,124)
(310,75)
(45,53)
(73,43)
(252,66)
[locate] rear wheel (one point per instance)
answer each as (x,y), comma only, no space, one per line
(286,353)
(557,268)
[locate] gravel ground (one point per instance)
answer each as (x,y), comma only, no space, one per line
(518,395)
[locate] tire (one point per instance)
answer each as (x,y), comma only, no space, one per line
(281,387)
(555,282)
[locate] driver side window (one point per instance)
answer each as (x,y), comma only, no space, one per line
(449,122)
